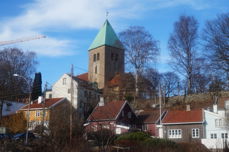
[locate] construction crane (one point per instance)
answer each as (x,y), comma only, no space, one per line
(21,40)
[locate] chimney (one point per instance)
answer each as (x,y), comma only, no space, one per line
(101,102)
(40,99)
(215,108)
(188,107)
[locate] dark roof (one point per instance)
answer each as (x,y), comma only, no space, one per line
(183,116)
(109,111)
(150,116)
(48,103)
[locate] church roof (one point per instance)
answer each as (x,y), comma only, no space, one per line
(106,36)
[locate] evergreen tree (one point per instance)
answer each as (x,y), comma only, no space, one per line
(37,90)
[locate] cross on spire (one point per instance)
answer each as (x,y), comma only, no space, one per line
(107,13)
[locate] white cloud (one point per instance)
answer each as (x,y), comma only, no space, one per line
(43,15)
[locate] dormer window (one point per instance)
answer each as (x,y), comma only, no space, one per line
(8,105)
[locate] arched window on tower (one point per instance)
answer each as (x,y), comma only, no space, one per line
(95,69)
(116,57)
(112,56)
(94,57)
(97,56)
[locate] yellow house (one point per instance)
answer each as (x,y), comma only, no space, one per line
(43,112)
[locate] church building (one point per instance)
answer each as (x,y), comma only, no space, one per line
(106,56)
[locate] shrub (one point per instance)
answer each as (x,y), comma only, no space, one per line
(137,136)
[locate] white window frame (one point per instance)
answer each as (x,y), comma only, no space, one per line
(144,127)
(195,133)
(175,133)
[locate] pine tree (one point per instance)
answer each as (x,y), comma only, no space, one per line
(37,90)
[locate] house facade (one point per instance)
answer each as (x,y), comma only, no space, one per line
(217,127)
(184,126)
(43,112)
(116,116)
(85,94)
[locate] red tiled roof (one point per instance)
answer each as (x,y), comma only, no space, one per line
(183,116)
(48,103)
(107,112)
(83,76)
(150,116)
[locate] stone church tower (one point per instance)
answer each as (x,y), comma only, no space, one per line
(106,56)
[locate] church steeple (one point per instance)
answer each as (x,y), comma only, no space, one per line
(106,36)
(106,56)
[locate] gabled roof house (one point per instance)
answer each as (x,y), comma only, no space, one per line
(117,116)
(184,126)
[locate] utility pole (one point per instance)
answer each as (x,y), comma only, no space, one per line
(43,118)
(71,104)
(160,101)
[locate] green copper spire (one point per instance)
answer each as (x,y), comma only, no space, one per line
(106,36)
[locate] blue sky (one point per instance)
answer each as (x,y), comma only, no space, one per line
(71,26)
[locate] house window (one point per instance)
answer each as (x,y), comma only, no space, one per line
(118,130)
(8,105)
(94,57)
(97,56)
(219,122)
(106,126)
(122,113)
(69,90)
(50,96)
(64,81)
(174,133)
(129,114)
(214,136)
(38,113)
(144,127)
(224,135)
(95,69)
(195,133)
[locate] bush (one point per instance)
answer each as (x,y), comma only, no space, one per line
(137,136)
(141,141)
(152,142)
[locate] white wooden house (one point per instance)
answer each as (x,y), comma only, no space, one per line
(217,127)
(85,94)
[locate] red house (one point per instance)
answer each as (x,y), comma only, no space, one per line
(184,126)
(117,116)
(150,119)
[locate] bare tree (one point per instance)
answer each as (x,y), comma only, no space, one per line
(169,84)
(13,60)
(151,80)
(182,45)
(140,49)
(216,36)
